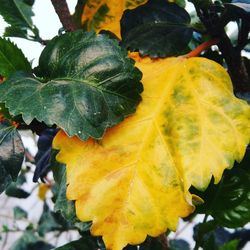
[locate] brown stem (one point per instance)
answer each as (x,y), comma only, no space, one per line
(197,51)
(62,10)
(164,241)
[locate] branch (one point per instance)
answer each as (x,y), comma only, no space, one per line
(197,51)
(164,241)
(62,10)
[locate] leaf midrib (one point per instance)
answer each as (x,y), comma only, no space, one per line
(22,15)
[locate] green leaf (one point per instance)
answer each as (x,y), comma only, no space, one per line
(51,221)
(202,233)
(229,201)
(179,245)
(11,154)
(157,29)
(13,190)
(12,31)
(12,58)
(90,85)
(181,3)
(151,244)
(83,244)
(18,14)
(29,2)
(62,204)
(19,213)
(29,241)
(231,245)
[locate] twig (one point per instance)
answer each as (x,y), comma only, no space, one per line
(197,51)
(164,241)
(62,10)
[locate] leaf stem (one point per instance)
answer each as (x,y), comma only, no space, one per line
(62,10)
(197,51)
(164,241)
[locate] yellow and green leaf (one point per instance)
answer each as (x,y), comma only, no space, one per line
(106,14)
(135,181)
(100,15)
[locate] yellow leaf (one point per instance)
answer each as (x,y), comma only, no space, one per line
(135,181)
(42,191)
(106,14)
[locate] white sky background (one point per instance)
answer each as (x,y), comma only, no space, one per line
(48,24)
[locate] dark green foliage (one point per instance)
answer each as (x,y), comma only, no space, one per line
(88,85)
(29,241)
(231,245)
(179,245)
(20,213)
(16,192)
(12,58)
(18,13)
(51,221)
(85,243)
(62,205)
(229,201)
(11,154)
(157,29)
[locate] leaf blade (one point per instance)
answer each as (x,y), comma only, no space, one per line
(157,29)
(145,164)
(11,59)
(93,85)
(11,155)
(18,14)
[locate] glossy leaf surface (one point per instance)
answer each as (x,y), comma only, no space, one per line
(157,29)
(128,182)
(88,84)
(11,154)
